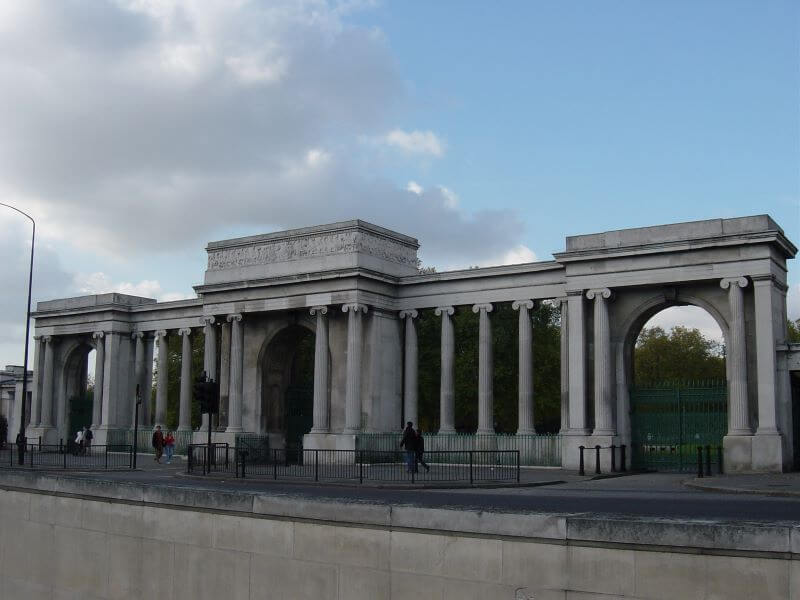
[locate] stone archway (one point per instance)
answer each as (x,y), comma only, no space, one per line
(75,408)
(287,385)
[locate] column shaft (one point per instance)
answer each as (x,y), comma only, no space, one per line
(564,366)
(446,388)
(224,372)
(209,358)
(321,422)
(411,366)
(485,370)
(577,364)
(353,383)
(237,356)
(525,414)
(185,407)
(766,360)
(738,414)
(162,379)
(36,403)
(138,374)
(99,378)
(47,383)
(603,409)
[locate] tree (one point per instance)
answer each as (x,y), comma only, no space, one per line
(682,354)
(793,330)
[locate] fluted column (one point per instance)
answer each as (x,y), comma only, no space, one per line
(235,392)
(564,365)
(603,409)
(577,363)
(47,382)
(36,404)
(185,407)
(99,378)
(138,372)
(410,373)
(162,380)
(525,374)
(209,357)
(322,408)
(353,384)
(738,413)
(446,388)
(485,370)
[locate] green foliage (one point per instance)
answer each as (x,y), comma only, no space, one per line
(174,350)
(793,331)
(680,354)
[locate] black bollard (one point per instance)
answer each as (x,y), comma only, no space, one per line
(597,459)
(623,466)
(708,461)
(613,458)
(580,469)
(700,461)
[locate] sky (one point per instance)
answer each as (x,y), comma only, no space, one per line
(135,131)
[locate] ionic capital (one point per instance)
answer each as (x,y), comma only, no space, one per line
(98,335)
(208,320)
(36,338)
(729,281)
(440,310)
(161,333)
(355,307)
(234,317)
(137,335)
(185,331)
(517,304)
(604,293)
(485,306)
(48,339)
(321,309)
(410,313)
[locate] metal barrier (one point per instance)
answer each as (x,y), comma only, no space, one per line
(708,449)
(613,447)
(69,457)
(358,465)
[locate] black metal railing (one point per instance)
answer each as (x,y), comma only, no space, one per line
(69,456)
(357,465)
(591,455)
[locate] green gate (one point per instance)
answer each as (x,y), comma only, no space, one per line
(670,421)
(299,414)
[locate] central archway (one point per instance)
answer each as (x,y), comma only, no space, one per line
(287,390)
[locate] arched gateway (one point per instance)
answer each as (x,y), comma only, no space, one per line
(354,290)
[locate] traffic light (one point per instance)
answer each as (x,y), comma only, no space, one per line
(200,393)
(212,396)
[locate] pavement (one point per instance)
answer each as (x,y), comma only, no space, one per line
(753,498)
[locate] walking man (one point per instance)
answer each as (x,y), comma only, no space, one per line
(420,451)
(88,436)
(409,442)
(158,443)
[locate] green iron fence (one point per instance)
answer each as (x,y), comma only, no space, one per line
(670,421)
(540,450)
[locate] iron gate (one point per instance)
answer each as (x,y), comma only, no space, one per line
(670,421)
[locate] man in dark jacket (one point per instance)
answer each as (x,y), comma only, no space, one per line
(420,452)
(409,442)
(158,443)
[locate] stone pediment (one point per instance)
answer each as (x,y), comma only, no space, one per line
(334,247)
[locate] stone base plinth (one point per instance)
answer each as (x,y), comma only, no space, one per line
(570,454)
(738,453)
(767,452)
(329,441)
(49,435)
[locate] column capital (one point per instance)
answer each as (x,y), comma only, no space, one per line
(598,293)
(485,306)
(208,320)
(185,331)
(98,335)
(355,307)
(161,333)
(36,338)
(411,313)
(321,309)
(137,335)
(47,339)
(517,304)
(234,317)
(726,282)
(440,310)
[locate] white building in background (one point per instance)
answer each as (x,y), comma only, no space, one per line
(11,390)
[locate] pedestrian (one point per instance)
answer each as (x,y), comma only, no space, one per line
(409,443)
(78,449)
(88,436)
(169,446)
(420,451)
(158,443)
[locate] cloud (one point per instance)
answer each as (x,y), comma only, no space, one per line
(415,142)
(691,317)
(100,283)
(414,188)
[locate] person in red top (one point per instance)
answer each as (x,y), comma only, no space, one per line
(169,446)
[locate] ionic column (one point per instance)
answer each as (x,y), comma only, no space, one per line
(162,378)
(564,366)
(321,423)
(485,370)
(603,409)
(237,356)
(738,415)
(147,381)
(138,372)
(224,372)
(446,394)
(525,375)
(185,406)
(36,403)
(353,384)
(411,366)
(209,357)
(577,363)
(47,382)
(99,378)
(766,360)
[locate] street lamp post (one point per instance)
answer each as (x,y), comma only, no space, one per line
(24,399)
